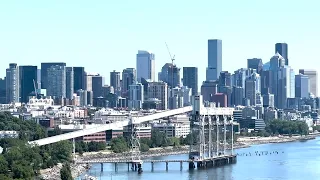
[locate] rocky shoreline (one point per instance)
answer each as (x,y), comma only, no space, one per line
(243,142)
(54,172)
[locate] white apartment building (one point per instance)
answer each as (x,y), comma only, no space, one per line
(173,129)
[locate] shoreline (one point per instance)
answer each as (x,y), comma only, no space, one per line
(242,142)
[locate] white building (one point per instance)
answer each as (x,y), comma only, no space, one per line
(173,129)
(145,65)
(9,134)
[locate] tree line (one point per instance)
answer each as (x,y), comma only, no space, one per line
(158,139)
(281,127)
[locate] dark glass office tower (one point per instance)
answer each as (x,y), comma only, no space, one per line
(69,82)
(255,63)
(78,78)
(190,78)
(214,59)
(97,83)
(44,72)
(2,91)
(28,81)
(282,49)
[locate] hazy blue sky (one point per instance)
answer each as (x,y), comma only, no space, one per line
(106,35)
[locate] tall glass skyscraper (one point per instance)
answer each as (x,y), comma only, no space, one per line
(78,78)
(28,81)
(214,59)
(44,72)
(56,81)
(282,49)
(12,83)
(69,82)
(190,78)
(302,86)
(145,65)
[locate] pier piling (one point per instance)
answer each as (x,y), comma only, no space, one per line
(101,164)
(116,167)
(152,166)
(167,166)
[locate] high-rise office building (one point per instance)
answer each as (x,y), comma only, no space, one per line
(28,81)
(3,91)
(253,87)
(170,74)
(285,86)
(78,78)
(313,78)
(159,90)
(129,77)
(276,62)
(136,96)
(302,86)
(268,100)
(145,65)
(69,82)
(208,89)
(56,81)
(97,83)
(115,82)
(225,79)
(44,72)
(12,84)
(214,59)
(83,97)
(190,78)
(266,81)
(237,96)
(255,63)
(38,78)
(282,49)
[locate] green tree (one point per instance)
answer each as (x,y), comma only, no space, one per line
(65,172)
(175,142)
(3,165)
(4,177)
(144,147)
(159,139)
(119,145)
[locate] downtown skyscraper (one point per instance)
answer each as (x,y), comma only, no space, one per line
(282,49)
(190,78)
(56,78)
(12,83)
(214,59)
(145,65)
(28,80)
(44,72)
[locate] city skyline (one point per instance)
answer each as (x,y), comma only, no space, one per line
(63,38)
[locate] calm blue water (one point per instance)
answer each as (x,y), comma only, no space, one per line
(295,161)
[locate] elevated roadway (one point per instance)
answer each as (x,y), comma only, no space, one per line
(104,127)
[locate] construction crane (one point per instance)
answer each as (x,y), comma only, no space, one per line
(35,89)
(171,57)
(172,68)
